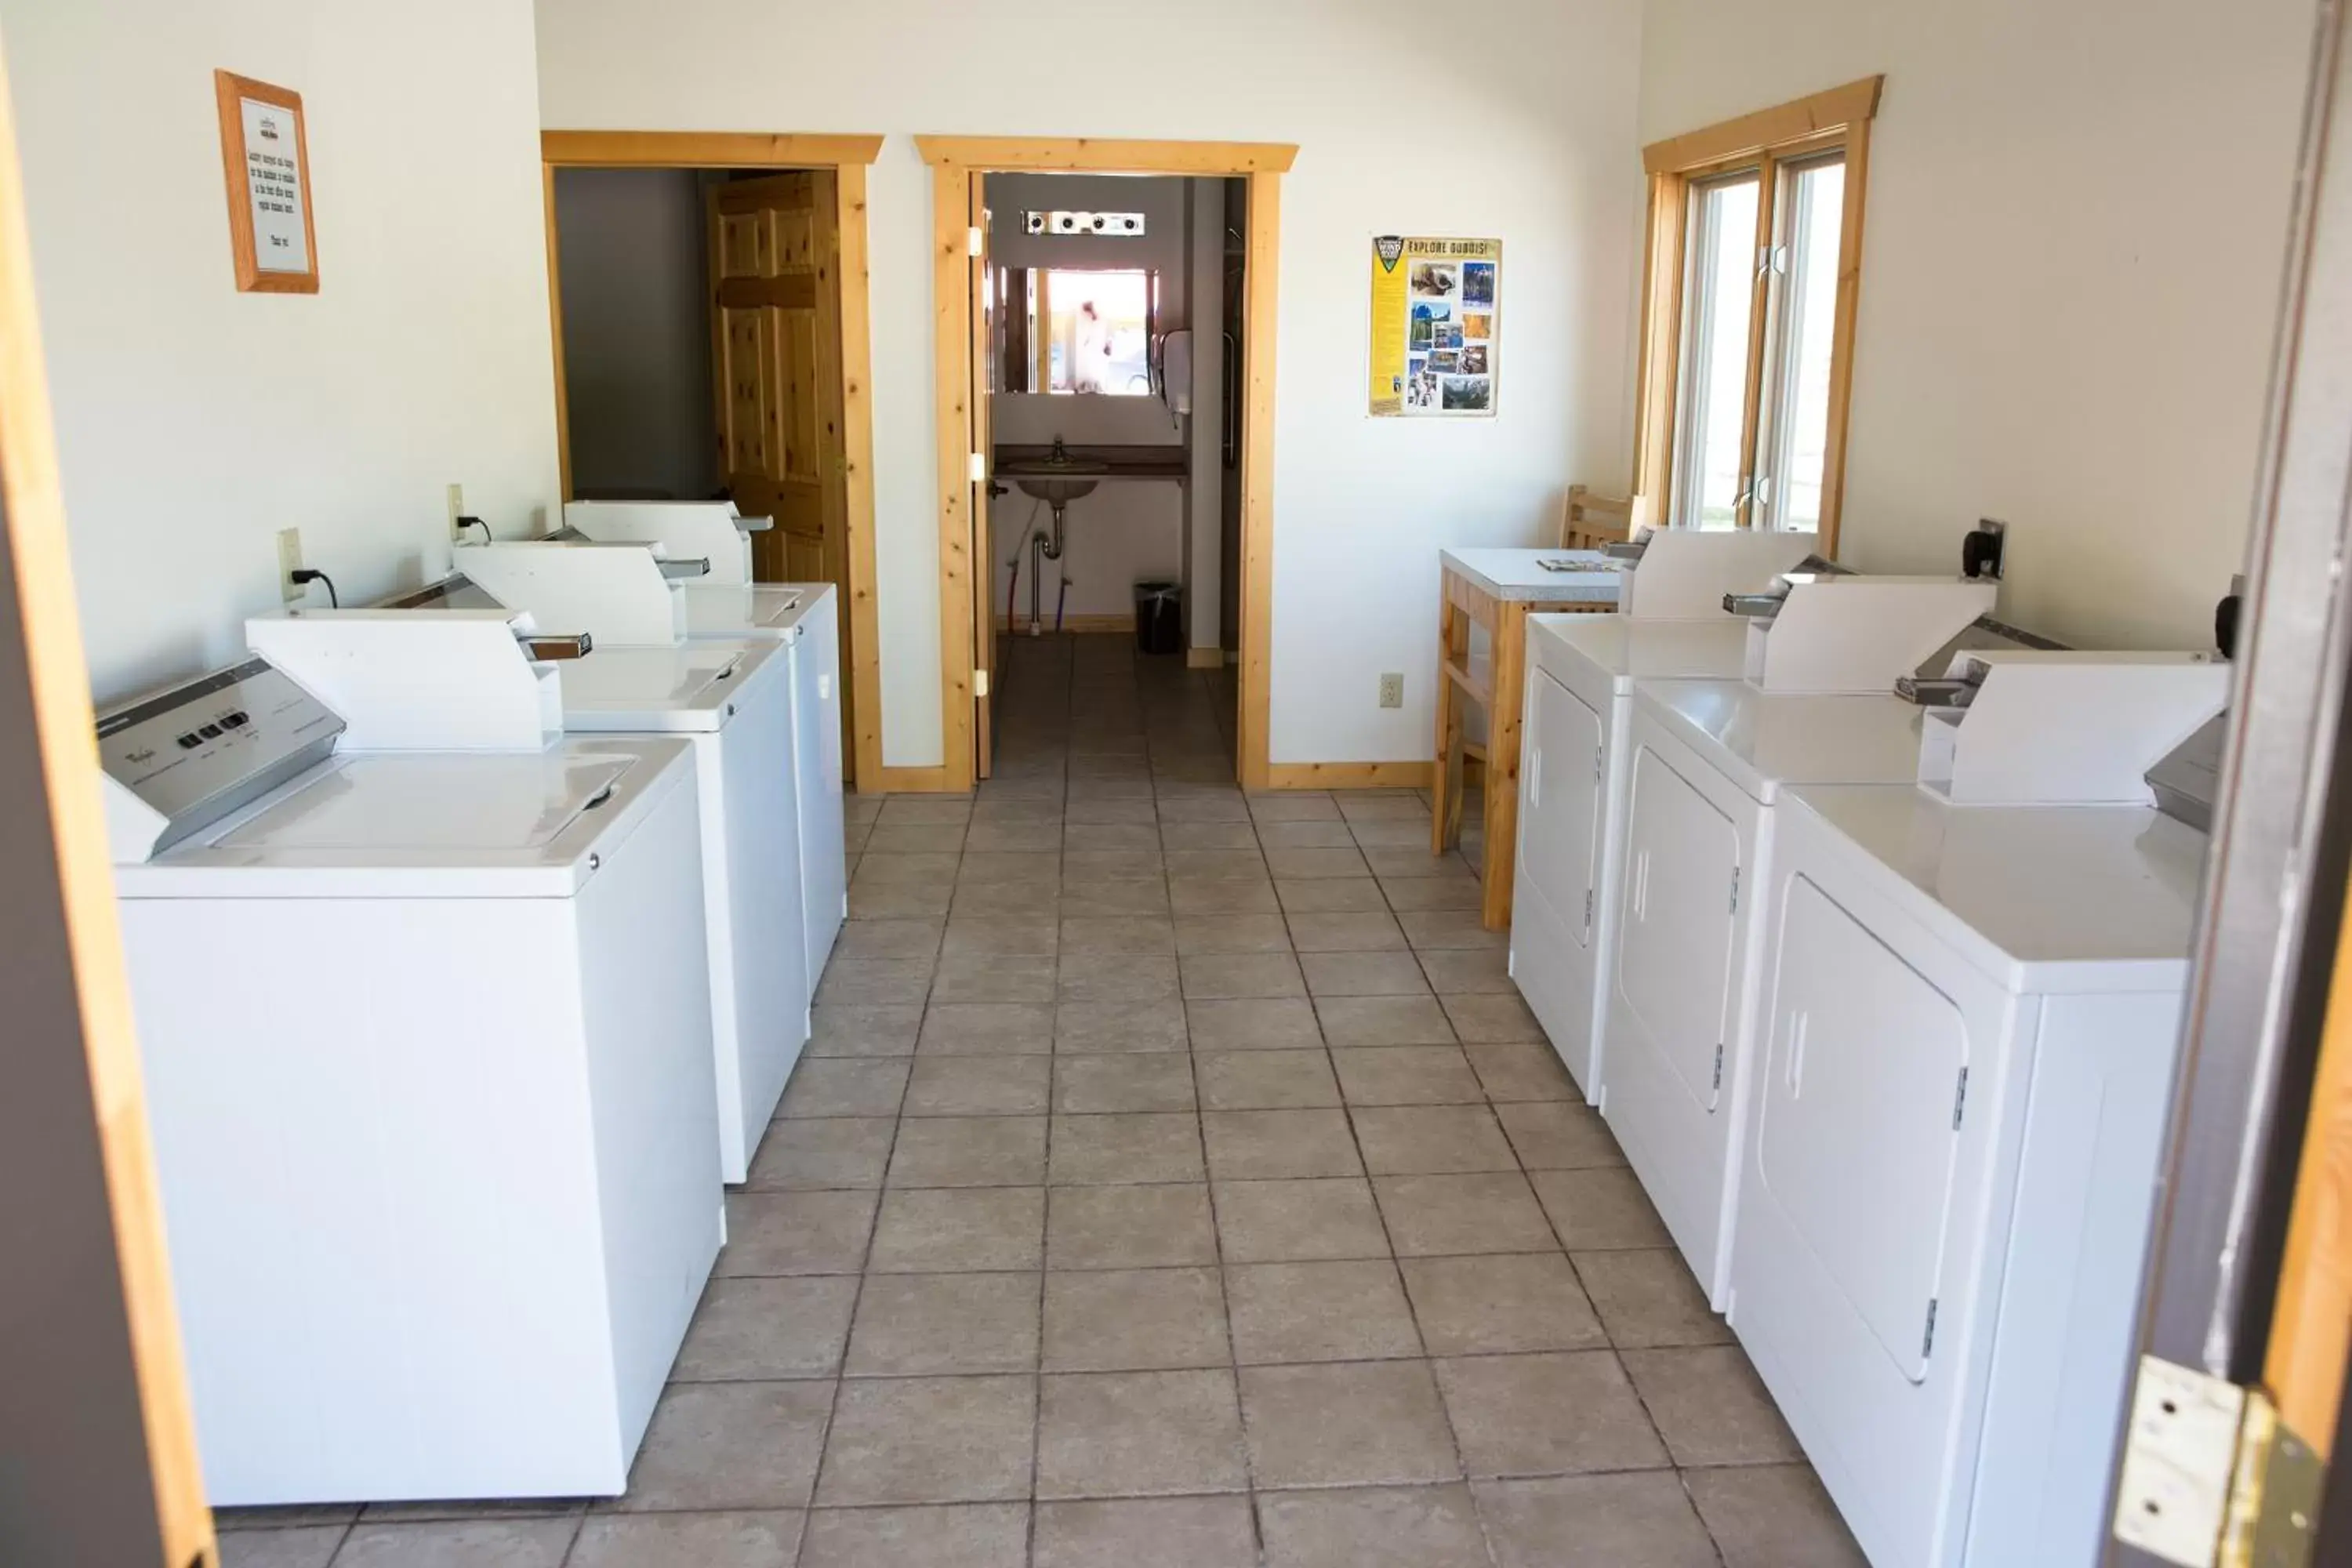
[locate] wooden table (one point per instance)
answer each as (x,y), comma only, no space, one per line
(1497,589)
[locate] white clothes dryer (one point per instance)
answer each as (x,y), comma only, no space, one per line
(1706,761)
(1574,778)
(1967,1031)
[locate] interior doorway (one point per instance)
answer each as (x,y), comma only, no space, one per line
(708,301)
(996,334)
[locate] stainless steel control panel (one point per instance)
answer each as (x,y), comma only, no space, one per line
(196,752)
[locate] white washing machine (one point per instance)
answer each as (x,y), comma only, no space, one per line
(734,702)
(620,595)
(1574,781)
(426,1039)
(806,617)
(1967,1034)
(1706,763)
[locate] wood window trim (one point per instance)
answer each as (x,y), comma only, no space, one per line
(957,162)
(1836,120)
(848,157)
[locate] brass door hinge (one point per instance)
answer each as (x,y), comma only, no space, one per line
(2274,1498)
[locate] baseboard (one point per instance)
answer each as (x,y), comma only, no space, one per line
(1204,659)
(1347,775)
(913,781)
(1079,625)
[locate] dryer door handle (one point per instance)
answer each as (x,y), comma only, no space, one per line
(1795,1075)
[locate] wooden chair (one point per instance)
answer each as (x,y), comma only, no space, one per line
(1589,521)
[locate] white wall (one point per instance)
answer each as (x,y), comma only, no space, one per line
(636,332)
(2075,229)
(192,421)
(1517,121)
(1127,531)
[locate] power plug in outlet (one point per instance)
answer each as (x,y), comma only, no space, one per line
(290,561)
(457,511)
(1392,690)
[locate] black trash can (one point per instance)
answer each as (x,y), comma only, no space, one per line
(1159,618)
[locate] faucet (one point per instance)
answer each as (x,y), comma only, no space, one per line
(1061,455)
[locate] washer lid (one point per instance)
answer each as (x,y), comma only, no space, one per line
(719,610)
(425,800)
(428,825)
(687,686)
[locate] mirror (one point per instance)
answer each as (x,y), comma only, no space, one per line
(1075,330)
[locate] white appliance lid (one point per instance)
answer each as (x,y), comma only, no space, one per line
(2073,896)
(688,686)
(1630,650)
(368,802)
(743,610)
(1761,743)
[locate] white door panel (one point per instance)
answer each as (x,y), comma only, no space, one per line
(1673,961)
(1855,1135)
(1558,832)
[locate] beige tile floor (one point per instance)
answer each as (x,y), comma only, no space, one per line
(1174,1180)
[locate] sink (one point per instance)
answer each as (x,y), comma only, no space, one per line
(1059,484)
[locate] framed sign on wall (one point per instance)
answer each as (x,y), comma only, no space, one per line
(267,164)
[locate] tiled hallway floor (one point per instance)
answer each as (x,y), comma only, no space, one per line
(1174,1180)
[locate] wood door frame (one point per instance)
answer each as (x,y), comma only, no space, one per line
(956,163)
(847,157)
(39,573)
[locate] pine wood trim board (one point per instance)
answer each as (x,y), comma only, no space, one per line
(705,150)
(65,734)
(955,162)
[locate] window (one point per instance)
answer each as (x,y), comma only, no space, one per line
(1748,297)
(1076,330)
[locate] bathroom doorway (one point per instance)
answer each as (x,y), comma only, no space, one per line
(708,296)
(1095,412)
(1101,364)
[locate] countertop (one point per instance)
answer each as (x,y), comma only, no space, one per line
(1517,575)
(1015,462)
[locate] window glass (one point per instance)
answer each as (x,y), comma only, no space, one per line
(1805,285)
(1718,294)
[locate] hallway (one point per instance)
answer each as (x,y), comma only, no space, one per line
(1174,1180)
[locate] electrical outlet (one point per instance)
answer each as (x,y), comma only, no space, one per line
(290,561)
(1392,690)
(457,511)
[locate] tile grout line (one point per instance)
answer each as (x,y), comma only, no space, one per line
(857,1299)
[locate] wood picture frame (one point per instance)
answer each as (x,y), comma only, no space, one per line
(239,167)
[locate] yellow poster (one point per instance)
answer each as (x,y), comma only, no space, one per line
(1435,324)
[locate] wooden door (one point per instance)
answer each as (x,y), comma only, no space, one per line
(984,554)
(776,376)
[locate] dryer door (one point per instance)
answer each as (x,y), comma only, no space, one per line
(1855,1141)
(1674,959)
(1563,791)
